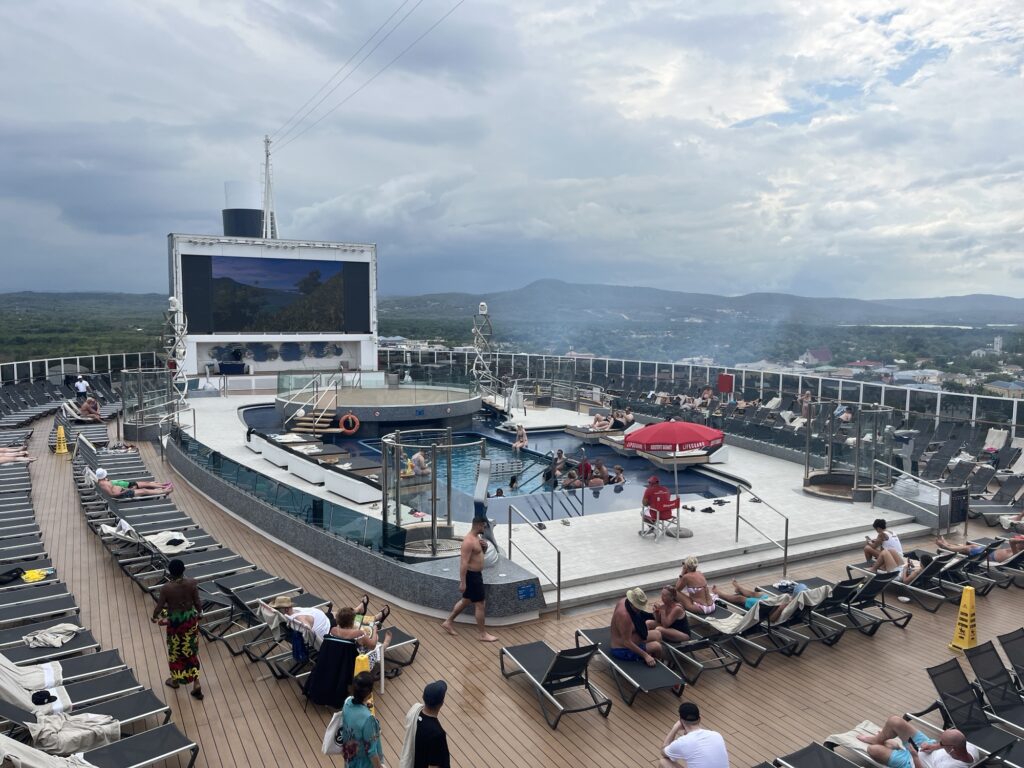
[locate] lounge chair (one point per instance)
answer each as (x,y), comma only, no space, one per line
(553,672)
(1013,647)
(1005,702)
(77,668)
(34,594)
(631,677)
(153,746)
(697,655)
(926,589)
(961,709)
(36,611)
(814,756)
(978,482)
(591,436)
(958,476)
(860,603)
(807,620)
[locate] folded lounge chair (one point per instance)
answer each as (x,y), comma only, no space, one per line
(631,677)
(553,672)
(1005,702)
(1013,647)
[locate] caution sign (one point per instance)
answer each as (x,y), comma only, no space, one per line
(966,635)
(62,441)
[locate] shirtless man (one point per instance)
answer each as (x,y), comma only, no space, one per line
(90,409)
(471,580)
(15,456)
(420,465)
(629,642)
(179,608)
(998,555)
(130,489)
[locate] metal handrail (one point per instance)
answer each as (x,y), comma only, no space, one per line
(784,546)
(557,581)
(920,481)
(312,382)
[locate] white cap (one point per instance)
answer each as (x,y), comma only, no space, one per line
(101,473)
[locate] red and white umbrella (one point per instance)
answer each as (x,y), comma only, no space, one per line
(674,436)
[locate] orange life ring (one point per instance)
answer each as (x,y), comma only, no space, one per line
(348,424)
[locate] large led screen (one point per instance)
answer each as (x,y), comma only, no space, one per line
(237,294)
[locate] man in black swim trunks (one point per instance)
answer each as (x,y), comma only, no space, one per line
(471,580)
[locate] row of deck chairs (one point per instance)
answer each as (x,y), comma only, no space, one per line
(942,580)
(84,678)
(989,711)
(145,533)
(96,433)
(724,640)
(21,404)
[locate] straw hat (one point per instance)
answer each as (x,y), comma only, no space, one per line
(281,601)
(637,598)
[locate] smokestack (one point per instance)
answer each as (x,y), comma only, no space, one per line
(243,211)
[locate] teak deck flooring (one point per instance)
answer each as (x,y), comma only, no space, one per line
(246,720)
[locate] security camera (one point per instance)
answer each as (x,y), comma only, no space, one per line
(172,303)
(483,307)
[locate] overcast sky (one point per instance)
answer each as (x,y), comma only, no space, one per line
(864,148)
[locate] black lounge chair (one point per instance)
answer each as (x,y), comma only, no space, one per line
(958,476)
(756,642)
(214,570)
(697,655)
(1005,702)
(860,603)
(43,609)
(43,591)
(552,673)
(926,588)
(22,654)
(635,675)
(147,748)
(961,709)
(978,482)
(85,693)
(814,756)
(810,623)
(1013,647)
(128,709)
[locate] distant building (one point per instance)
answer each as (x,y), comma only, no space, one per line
(1013,389)
(819,356)
(997,344)
(982,352)
(865,364)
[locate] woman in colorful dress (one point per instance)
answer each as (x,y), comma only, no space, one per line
(180,609)
(360,731)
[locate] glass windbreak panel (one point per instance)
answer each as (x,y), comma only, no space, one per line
(7,373)
(872,394)
(631,371)
(648,370)
(995,411)
(1020,417)
(101,363)
(849,391)
(953,406)
(830,389)
(24,371)
(38,369)
(790,389)
(923,402)
(896,397)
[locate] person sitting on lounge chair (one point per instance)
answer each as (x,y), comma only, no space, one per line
(670,617)
(692,588)
(748,598)
(998,555)
(90,409)
(884,541)
(601,423)
(366,638)
(15,456)
(130,489)
(631,638)
(314,618)
(628,417)
(891,746)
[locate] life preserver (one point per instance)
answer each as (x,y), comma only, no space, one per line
(348,424)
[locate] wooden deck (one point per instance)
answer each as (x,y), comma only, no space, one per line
(249,721)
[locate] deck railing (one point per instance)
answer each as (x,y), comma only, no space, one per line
(557,581)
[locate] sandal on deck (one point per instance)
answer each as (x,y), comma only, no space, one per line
(171,684)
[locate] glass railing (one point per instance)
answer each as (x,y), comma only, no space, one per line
(54,368)
(323,389)
(345,523)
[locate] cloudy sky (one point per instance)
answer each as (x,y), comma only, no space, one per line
(865,148)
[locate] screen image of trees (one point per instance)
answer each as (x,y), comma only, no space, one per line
(277,295)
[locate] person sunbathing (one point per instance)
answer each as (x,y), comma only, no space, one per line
(749,598)
(601,423)
(90,410)
(1003,552)
(692,590)
(15,456)
(891,746)
(130,489)
(670,617)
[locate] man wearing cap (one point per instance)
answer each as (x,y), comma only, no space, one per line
(426,743)
(631,639)
(689,743)
(654,490)
(81,388)
(313,618)
(471,580)
(129,489)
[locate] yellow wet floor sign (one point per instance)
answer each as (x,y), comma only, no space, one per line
(966,635)
(62,441)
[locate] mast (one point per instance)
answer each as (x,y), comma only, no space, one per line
(269,220)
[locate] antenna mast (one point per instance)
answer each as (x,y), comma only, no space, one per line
(269,220)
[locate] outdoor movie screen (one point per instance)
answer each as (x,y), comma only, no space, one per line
(237,294)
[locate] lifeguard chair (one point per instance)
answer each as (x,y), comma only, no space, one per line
(661,512)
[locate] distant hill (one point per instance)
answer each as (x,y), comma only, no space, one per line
(555,300)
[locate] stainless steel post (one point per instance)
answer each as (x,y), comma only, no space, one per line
(448,480)
(433,500)
(785,550)
(398,477)
(558,584)
(384,473)
(738,492)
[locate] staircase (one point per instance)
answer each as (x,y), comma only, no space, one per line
(314,423)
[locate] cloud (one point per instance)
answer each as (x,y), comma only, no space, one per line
(825,149)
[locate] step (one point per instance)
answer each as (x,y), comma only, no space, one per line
(718,567)
(854,532)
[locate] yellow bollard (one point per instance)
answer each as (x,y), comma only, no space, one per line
(966,635)
(62,441)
